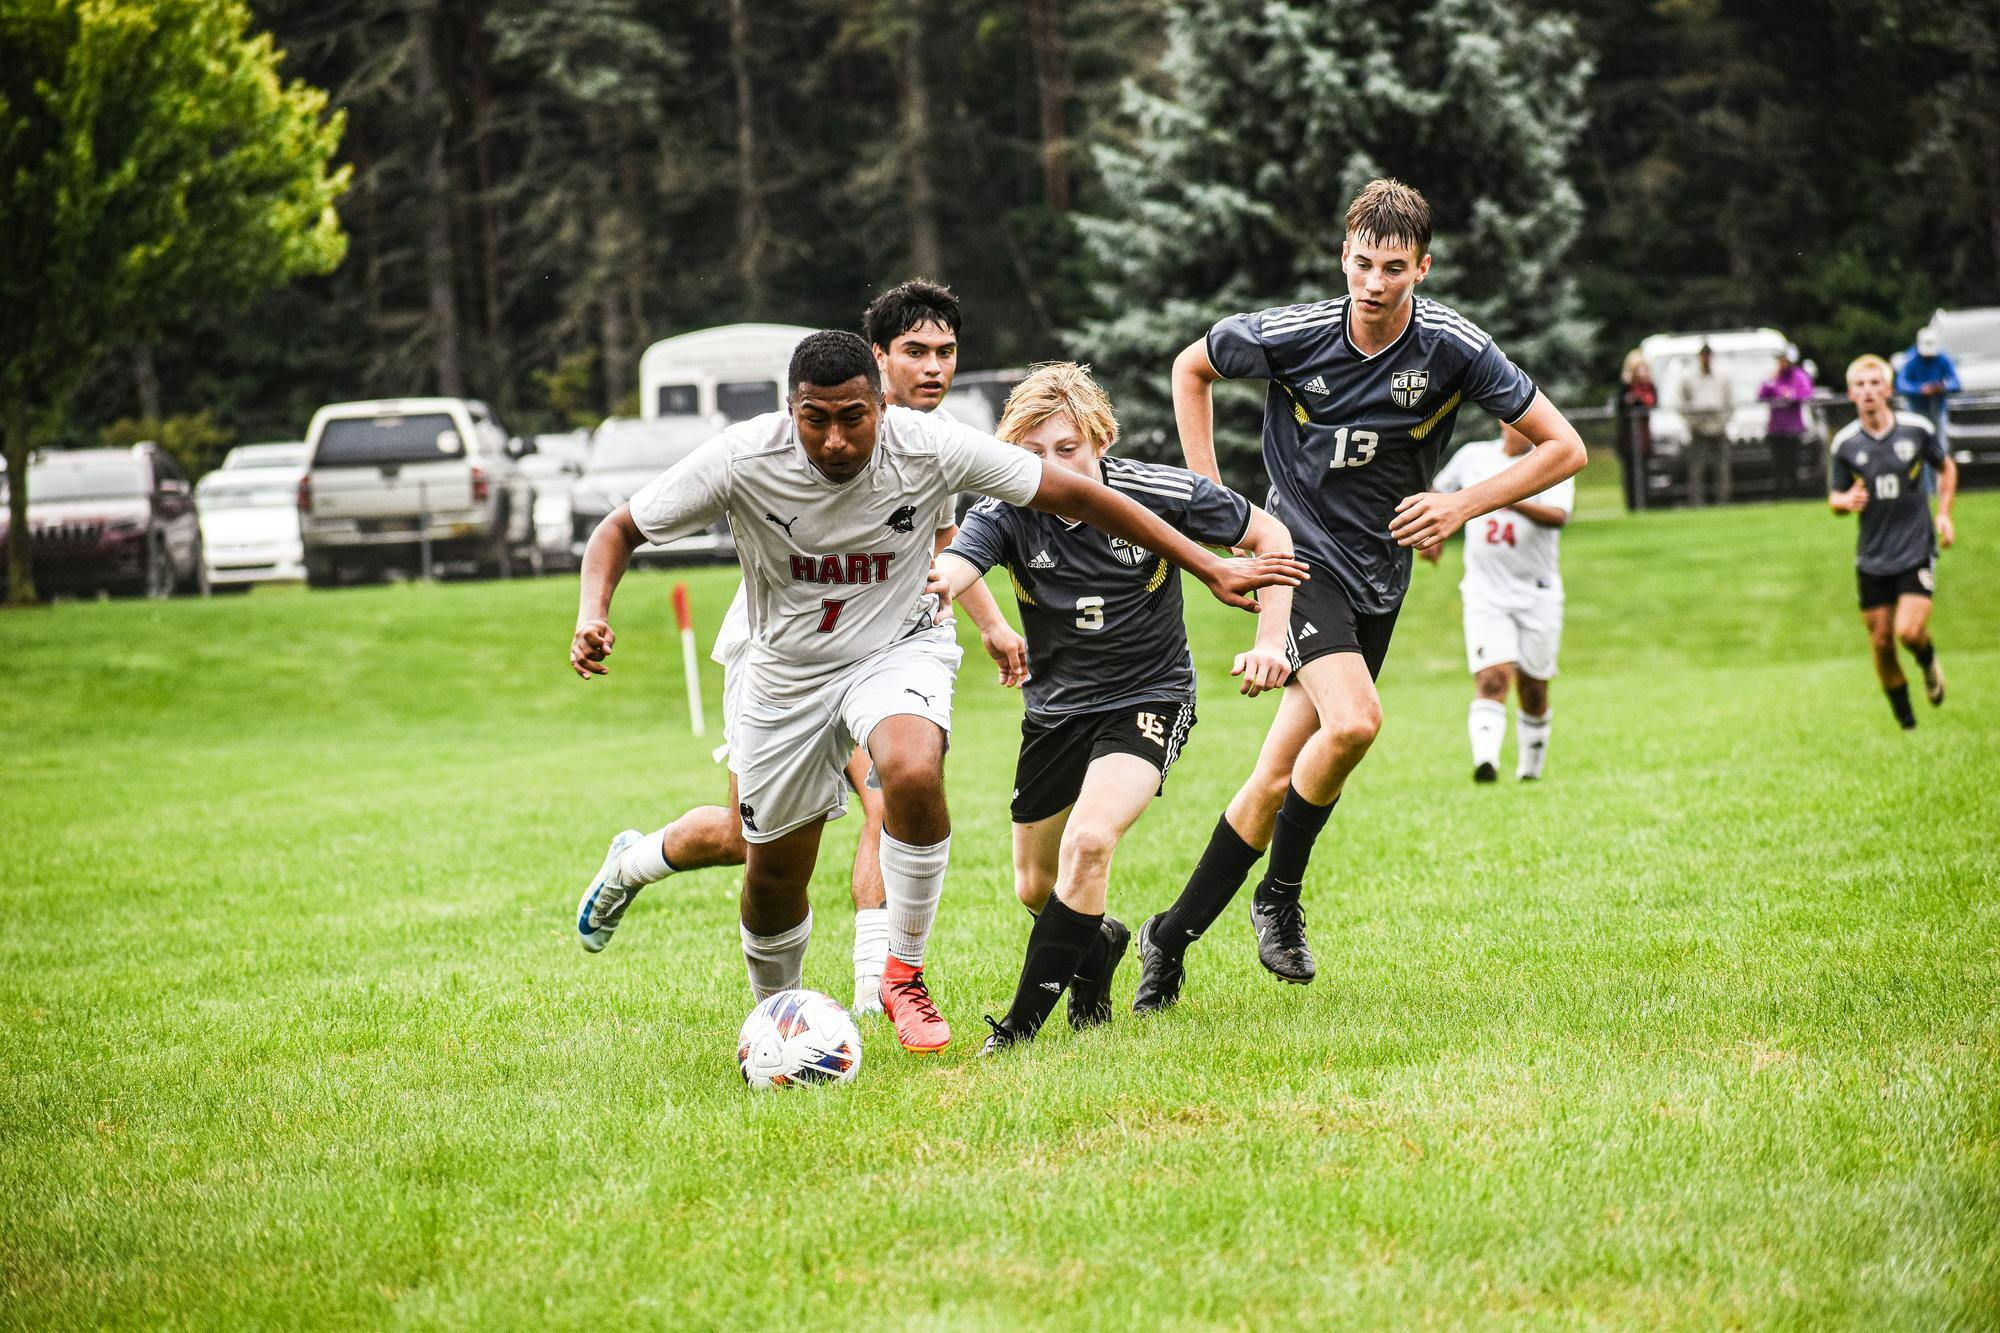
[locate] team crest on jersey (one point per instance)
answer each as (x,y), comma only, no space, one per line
(903,520)
(1128,554)
(1407,386)
(1905,451)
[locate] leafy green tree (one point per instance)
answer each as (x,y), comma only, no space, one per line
(1230,197)
(151,161)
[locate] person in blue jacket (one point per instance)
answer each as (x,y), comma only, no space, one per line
(1924,379)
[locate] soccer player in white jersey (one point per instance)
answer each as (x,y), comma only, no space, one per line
(1513,595)
(913,329)
(828,503)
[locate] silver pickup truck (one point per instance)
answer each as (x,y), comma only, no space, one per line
(396,481)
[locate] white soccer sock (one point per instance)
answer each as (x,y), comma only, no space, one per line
(1531,744)
(912,880)
(645,861)
(776,962)
(1486,723)
(871,943)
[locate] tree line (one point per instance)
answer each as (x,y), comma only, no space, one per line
(534,193)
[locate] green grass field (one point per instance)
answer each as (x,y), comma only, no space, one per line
(1704,1030)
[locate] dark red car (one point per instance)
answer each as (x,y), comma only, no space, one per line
(111,520)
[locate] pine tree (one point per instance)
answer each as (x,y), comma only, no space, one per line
(1231,192)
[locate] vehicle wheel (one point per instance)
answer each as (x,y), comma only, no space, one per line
(158,580)
(227,589)
(320,572)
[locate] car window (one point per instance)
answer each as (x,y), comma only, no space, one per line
(363,441)
(749,398)
(88,481)
(679,400)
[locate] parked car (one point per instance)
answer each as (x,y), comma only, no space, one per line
(1972,338)
(1746,358)
(111,520)
(625,454)
(292,454)
(250,526)
(552,469)
(393,480)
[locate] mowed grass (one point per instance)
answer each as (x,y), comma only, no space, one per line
(1700,1031)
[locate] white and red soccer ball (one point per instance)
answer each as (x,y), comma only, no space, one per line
(798,1037)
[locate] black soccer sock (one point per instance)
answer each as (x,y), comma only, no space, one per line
(1096,953)
(1299,825)
(1055,945)
(1899,703)
(1924,654)
(1216,878)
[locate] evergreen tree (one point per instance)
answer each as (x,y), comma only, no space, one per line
(1231,195)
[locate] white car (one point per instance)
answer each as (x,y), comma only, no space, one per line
(625,454)
(250,527)
(1744,357)
(1972,339)
(291,454)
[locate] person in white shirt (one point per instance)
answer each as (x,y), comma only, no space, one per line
(1513,594)
(913,329)
(830,505)
(1706,402)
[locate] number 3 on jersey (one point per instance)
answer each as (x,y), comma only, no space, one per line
(1090,613)
(1364,441)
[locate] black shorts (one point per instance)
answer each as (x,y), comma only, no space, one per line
(1884,589)
(1054,755)
(1324,621)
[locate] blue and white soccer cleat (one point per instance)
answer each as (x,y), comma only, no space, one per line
(604,902)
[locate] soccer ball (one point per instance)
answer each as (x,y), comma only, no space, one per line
(798,1036)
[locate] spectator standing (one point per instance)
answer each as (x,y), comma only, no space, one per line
(1637,397)
(1925,380)
(1706,402)
(1788,392)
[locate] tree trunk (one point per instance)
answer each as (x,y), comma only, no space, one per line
(146,379)
(482,161)
(1052,85)
(20,574)
(752,230)
(436,186)
(926,254)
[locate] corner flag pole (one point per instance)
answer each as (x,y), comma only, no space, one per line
(686,621)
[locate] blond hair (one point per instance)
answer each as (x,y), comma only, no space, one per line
(1869,361)
(1389,212)
(1065,389)
(1635,361)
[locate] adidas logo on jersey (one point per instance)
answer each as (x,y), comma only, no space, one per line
(1041,560)
(1316,384)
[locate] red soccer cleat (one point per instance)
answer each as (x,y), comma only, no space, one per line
(919,1026)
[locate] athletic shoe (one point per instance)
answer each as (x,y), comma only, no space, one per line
(604,902)
(1160,975)
(1529,777)
(1485,773)
(1090,1001)
(1281,938)
(907,1001)
(1934,682)
(867,996)
(1001,1037)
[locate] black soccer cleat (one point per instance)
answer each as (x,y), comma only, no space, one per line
(1160,974)
(1934,682)
(1002,1037)
(1485,772)
(1090,1000)
(1280,924)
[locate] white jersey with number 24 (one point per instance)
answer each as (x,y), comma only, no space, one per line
(1510,562)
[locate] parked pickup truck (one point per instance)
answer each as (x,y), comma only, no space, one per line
(396,481)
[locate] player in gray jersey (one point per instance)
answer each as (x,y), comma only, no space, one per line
(1877,472)
(1111,687)
(1364,390)
(827,503)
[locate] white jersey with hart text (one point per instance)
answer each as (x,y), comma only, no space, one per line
(1510,562)
(833,571)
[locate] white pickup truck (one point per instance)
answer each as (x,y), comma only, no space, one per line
(394,482)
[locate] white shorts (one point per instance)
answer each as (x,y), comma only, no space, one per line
(790,759)
(1529,639)
(732,696)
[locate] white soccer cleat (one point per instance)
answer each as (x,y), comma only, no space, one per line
(867,996)
(604,902)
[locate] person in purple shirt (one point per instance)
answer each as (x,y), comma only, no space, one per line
(1788,392)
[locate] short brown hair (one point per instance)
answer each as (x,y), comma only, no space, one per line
(1389,212)
(1060,388)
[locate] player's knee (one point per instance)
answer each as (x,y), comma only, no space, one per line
(1356,730)
(1033,890)
(1910,636)
(907,775)
(1088,845)
(1491,685)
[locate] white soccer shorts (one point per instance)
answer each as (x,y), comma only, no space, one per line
(732,696)
(790,759)
(1529,639)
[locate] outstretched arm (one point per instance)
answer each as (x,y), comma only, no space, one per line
(1429,518)
(1008,649)
(1194,407)
(1232,581)
(604,561)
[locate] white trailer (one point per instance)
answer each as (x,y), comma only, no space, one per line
(729,373)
